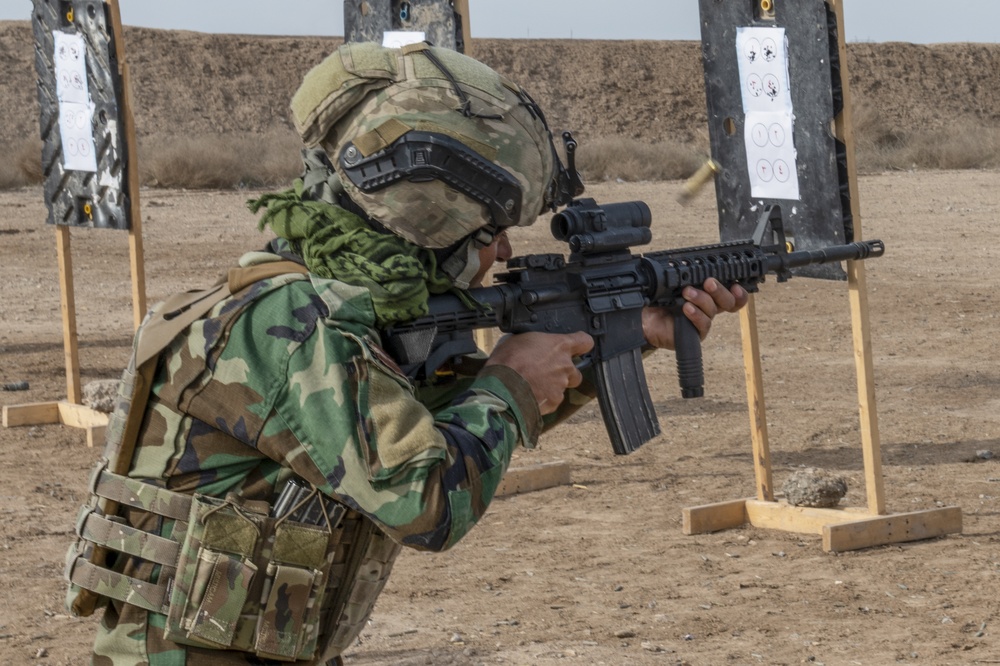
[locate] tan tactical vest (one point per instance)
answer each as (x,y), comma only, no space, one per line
(233,576)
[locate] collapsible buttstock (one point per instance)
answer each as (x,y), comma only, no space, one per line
(625,403)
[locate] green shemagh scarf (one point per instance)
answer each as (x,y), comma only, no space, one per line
(336,244)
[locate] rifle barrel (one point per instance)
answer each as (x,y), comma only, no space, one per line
(827,255)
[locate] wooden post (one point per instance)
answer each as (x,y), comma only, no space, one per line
(755,401)
(136,258)
(462,9)
(71,411)
(67,306)
(858,293)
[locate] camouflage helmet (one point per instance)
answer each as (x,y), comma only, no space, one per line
(434,146)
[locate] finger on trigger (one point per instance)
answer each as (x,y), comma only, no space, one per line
(580,343)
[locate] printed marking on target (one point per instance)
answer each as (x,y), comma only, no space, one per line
(767,103)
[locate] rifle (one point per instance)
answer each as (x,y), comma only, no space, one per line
(601,289)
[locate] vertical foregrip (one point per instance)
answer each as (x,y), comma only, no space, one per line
(687,347)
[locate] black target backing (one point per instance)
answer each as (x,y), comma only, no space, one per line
(82,198)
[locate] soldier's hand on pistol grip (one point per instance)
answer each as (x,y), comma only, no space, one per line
(545,361)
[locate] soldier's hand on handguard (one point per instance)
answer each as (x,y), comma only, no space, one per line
(545,361)
(701,307)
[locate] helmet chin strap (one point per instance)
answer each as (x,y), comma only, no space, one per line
(463,264)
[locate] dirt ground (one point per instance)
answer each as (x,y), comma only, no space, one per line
(599,571)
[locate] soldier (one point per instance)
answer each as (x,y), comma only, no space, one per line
(268,459)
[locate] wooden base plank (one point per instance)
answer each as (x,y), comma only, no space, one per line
(842,528)
(800,519)
(66,413)
(714,517)
(36,413)
(896,528)
(80,416)
(534,477)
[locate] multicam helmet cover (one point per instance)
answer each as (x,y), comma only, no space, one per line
(433,145)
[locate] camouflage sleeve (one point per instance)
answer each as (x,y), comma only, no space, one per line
(344,418)
(428,477)
(573,399)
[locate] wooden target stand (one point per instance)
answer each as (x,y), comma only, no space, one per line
(71,411)
(845,528)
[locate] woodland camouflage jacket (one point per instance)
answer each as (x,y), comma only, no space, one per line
(286,378)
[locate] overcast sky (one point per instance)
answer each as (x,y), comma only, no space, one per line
(920,21)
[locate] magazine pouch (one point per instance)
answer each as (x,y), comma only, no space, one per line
(246,581)
(288,626)
(215,573)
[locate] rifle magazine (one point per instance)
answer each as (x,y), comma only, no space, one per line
(625,403)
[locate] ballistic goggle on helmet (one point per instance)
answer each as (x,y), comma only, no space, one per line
(434,146)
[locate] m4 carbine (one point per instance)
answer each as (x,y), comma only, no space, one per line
(602,289)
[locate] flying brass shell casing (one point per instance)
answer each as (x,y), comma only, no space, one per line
(709,170)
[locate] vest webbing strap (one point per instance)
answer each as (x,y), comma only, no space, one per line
(88,597)
(129,540)
(141,495)
(108,583)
